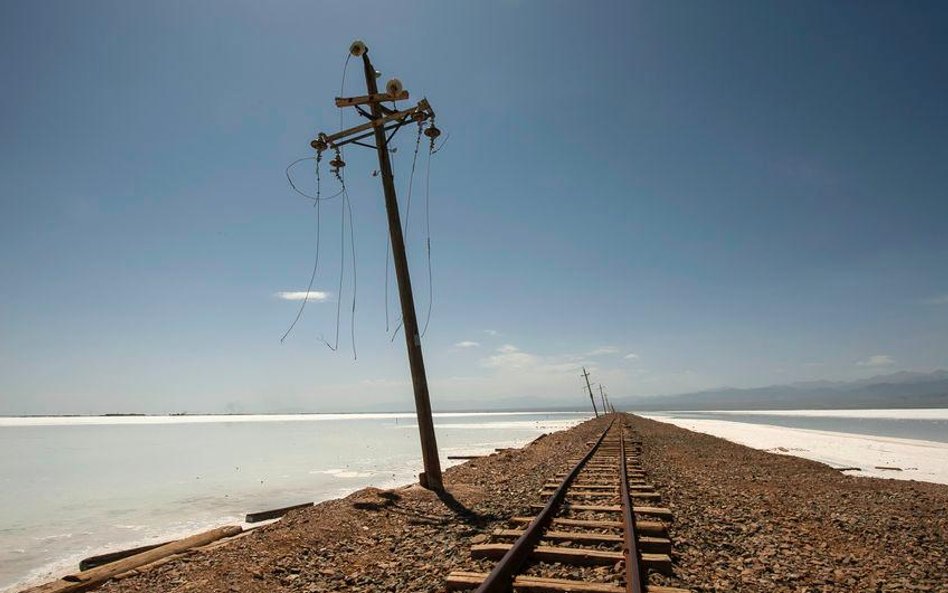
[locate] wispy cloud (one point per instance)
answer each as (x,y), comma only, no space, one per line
(631,356)
(603,350)
(467,344)
(299,295)
(510,357)
(491,332)
(936,301)
(876,360)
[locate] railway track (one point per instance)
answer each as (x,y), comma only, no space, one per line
(600,530)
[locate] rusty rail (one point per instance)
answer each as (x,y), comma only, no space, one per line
(634,578)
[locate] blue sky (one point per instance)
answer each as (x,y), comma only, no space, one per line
(677,195)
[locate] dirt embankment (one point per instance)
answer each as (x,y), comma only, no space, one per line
(746,521)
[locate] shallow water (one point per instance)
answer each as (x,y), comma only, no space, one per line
(73,487)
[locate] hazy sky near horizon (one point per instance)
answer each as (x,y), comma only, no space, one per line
(677,195)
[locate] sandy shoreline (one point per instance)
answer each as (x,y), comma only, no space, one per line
(746,520)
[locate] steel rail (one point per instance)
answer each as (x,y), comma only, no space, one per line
(500,579)
(634,578)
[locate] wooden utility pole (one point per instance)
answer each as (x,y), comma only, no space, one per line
(602,399)
(589,387)
(381,120)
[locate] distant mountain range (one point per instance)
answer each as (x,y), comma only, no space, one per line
(897,390)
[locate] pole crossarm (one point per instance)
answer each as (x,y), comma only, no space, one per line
(376,98)
(421,112)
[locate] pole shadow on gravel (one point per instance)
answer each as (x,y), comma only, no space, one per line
(465,514)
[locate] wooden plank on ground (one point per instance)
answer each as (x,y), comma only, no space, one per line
(88,579)
(274,513)
(101,559)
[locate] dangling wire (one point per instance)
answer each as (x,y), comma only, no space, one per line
(387,247)
(348,204)
(342,260)
(312,278)
(346,207)
(443,142)
(342,86)
(411,181)
(431,151)
(301,192)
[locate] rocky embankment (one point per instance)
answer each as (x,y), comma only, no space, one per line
(745,521)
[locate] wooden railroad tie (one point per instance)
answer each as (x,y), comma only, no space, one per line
(579,556)
(599,485)
(655,545)
(652,528)
(599,494)
(459,580)
(664,513)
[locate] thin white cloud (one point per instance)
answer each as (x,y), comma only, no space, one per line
(491,332)
(937,301)
(509,357)
(631,356)
(876,360)
(467,344)
(603,350)
(317,296)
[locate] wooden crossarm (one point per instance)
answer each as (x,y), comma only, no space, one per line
(376,98)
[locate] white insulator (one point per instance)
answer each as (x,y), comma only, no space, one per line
(394,87)
(358,48)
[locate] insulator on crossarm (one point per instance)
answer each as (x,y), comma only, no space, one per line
(394,87)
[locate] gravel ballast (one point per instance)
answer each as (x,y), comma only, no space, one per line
(745,520)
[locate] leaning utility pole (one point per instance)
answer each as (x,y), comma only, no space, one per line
(602,399)
(381,120)
(589,387)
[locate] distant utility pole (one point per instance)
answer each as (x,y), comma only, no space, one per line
(381,120)
(589,387)
(602,398)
